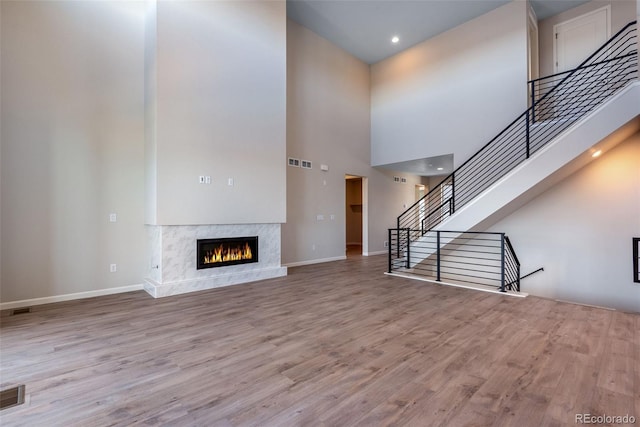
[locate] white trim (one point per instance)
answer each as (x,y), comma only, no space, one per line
(69,297)
(532,23)
(584,305)
(455,285)
(374,253)
(365,214)
(532,14)
(315,261)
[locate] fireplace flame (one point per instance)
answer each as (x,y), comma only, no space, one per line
(222,254)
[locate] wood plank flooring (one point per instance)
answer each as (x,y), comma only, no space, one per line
(336,344)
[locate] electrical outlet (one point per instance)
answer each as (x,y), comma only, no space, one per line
(113,268)
(386,243)
(113,217)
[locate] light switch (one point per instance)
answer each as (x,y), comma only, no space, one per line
(320,217)
(113,217)
(230,182)
(207,179)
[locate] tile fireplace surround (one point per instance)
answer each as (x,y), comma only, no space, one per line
(172,258)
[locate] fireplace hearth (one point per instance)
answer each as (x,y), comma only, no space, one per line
(213,253)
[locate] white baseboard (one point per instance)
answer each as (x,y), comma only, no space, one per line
(69,297)
(375,253)
(315,261)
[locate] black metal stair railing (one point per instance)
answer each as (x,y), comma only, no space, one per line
(479,258)
(636,259)
(557,102)
(511,266)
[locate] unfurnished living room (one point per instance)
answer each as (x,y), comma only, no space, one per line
(311,212)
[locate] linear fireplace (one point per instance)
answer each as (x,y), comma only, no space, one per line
(228,251)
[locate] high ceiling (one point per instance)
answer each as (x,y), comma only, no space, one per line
(364,27)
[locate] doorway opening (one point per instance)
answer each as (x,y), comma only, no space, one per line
(355,215)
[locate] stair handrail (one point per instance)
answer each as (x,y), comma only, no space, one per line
(526,114)
(595,64)
(512,263)
(583,63)
(579,67)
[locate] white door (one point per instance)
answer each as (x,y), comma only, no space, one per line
(575,41)
(578,38)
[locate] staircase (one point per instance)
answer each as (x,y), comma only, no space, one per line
(570,113)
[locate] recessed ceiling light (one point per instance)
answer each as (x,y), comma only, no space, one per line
(440,169)
(395,39)
(596,154)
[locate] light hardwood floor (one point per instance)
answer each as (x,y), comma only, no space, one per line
(335,344)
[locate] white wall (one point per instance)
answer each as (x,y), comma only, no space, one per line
(452,93)
(221,112)
(328,123)
(580,231)
(622,12)
(72,146)
(0,150)
(150,113)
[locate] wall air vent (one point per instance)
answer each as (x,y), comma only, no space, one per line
(12,397)
(22,310)
(294,162)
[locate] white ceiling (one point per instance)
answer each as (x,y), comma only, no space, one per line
(430,166)
(364,27)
